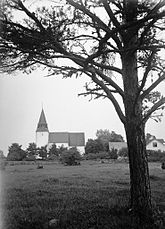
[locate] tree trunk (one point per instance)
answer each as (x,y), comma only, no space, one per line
(140,192)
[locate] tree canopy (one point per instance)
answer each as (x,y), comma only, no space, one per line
(32,149)
(107,136)
(92,36)
(16,153)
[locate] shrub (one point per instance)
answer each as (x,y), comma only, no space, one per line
(123,152)
(2,164)
(95,156)
(30,158)
(16,153)
(93,146)
(154,156)
(52,157)
(53,151)
(70,157)
(113,154)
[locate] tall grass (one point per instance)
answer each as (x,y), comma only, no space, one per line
(92,195)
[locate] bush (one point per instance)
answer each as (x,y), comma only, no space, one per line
(70,157)
(16,153)
(113,154)
(95,156)
(154,156)
(2,164)
(123,152)
(93,146)
(30,158)
(52,157)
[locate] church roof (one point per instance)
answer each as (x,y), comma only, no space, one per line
(58,137)
(76,139)
(73,139)
(42,124)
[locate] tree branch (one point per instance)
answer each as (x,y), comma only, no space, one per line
(111,82)
(91,15)
(147,70)
(156,83)
(111,14)
(31,15)
(110,96)
(153,108)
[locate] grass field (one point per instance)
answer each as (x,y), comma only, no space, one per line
(92,195)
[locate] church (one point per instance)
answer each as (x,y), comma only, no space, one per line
(66,139)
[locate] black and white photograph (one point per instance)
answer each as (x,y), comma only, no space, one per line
(82,114)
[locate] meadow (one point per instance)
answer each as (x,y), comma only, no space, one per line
(93,195)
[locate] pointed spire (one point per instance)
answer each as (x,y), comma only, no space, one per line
(42,124)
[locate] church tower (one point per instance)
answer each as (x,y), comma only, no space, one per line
(42,132)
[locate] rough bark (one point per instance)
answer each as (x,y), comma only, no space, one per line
(139,175)
(140,192)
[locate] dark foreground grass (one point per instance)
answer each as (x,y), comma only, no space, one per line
(92,195)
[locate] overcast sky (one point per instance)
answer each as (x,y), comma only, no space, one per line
(21,99)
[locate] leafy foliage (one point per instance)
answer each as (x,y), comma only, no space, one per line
(113,154)
(1,155)
(93,146)
(101,144)
(42,152)
(54,150)
(70,157)
(32,150)
(16,153)
(155,156)
(123,152)
(105,136)
(96,156)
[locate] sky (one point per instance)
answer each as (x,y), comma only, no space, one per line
(22,97)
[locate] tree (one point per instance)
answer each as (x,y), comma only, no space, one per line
(123,152)
(70,156)
(42,151)
(94,36)
(16,153)
(32,150)
(1,155)
(113,154)
(105,137)
(93,146)
(53,150)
